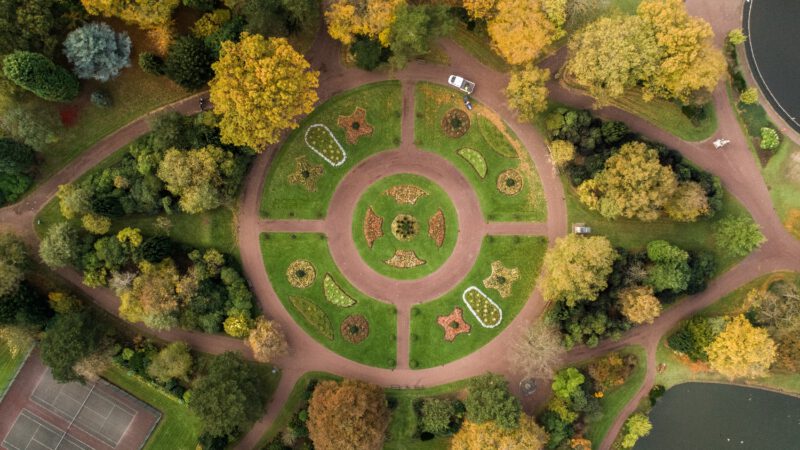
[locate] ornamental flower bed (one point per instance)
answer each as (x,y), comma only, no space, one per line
(476,160)
(455,123)
(335,294)
(502,278)
(406,194)
(453,324)
(321,140)
(496,139)
(354,329)
(373,227)
(404,259)
(405,227)
(509,182)
(313,314)
(355,125)
(436,228)
(305,174)
(487,312)
(301,274)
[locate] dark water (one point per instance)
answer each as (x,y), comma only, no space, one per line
(707,416)
(773,50)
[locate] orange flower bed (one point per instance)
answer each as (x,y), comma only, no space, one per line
(453,324)
(436,228)
(373,227)
(355,125)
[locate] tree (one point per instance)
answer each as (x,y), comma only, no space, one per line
(770,139)
(147,14)
(35,127)
(368,53)
(637,426)
(537,352)
(414,27)
(520,29)
(229,397)
(24,307)
(778,307)
(577,268)
(197,176)
(611,55)
(490,400)
(567,383)
(526,91)
(348,18)
(64,303)
(611,370)
(481,436)
(738,236)
(237,325)
(639,304)
(152,297)
(693,338)
(562,152)
(97,52)
(260,87)
(749,96)
(151,63)
(73,200)
(15,157)
(670,268)
(60,246)
(68,339)
(736,37)
(632,184)
(13,262)
(95,223)
(31,25)
(37,73)
(172,362)
(436,414)
(688,203)
(267,340)
(189,63)
(350,414)
(741,350)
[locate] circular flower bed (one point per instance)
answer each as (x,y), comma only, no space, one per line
(509,182)
(405,227)
(455,123)
(354,328)
(301,274)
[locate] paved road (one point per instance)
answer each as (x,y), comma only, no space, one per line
(735,166)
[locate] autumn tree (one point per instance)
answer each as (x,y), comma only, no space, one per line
(152,297)
(777,307)
(577,268)
(172,361)
(736,37)
(537,352)
(639,304)
(749,96)
(637,426)
(350,414)
(348,18)
(741,350)
(144,13)
(632,184)
(521,29)
(267,340)
(197,176)
(688,203)
(13,262)
(95,223)
(70,338)
(60,246)
(260,87)
(561,152)
(738,236)
(488,435)
(490,400)
(526,91)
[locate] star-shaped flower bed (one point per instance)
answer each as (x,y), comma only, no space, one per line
(305,174)
(355,125)
(502,278)
(453,324)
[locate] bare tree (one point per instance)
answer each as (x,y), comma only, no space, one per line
(538,352)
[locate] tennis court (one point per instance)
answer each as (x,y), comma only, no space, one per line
(31,432)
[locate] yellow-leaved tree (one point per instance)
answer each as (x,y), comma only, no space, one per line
(144,13)
(521,29)
(742,350)
(526,91)
(481,436)
(373,18)
(639,304)
(259,88)
(688,203)
(577,268)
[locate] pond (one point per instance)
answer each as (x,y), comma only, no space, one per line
(773,53)
(712,416)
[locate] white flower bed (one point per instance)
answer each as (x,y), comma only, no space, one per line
(321,140)
(487,312)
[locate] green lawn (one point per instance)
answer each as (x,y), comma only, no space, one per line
(9,364)
(432,102)
(424,247)
(383,103)
(379,349)
(179,428)
(626,6)
(428,347)
(615,399)
(668,116)
(635,234)
(478,45)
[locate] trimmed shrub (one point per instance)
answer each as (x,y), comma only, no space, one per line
(769,139)
(151,63)
(189,63)
(101,99)
(38,74)
(97,52)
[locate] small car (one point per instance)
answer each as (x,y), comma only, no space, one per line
(461,83)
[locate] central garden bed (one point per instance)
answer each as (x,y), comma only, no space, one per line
(405,226)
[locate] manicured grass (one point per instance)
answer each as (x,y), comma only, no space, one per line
(179,428)
(379,349)
(615,399)
(635,234)
(477,44)
(383,103)
(9,364)
(428,347)
(668,116)
(626,6)
(432,103)
(423,246)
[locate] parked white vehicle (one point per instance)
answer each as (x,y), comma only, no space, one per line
(461,83)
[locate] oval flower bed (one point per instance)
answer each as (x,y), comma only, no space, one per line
(335,294)
(475,159)
(487,312)
(321,140)
(314,315)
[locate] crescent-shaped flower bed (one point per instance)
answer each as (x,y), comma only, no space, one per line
(313,314)
(373,227)
(475,159)
(321,140)
(436,228)
(487,312)
(497,141)
(335,294)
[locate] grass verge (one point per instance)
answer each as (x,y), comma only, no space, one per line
(428,347)
(279,250)
(9,364)
(668,116)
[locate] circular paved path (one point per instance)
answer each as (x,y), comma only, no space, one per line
(735,166)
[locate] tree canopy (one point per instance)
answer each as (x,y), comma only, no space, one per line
(172,361)
(526,91)
(13,262)
(577,268)
(348,414)
(741,350)
(97,52)
(639,304)
(348,18)
(490,400)
(267,340)
(738,236)
(144,13)
(68,339)
(488,435)
(537,352)
(37,73)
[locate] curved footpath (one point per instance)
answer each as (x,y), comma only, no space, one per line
(735,166)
